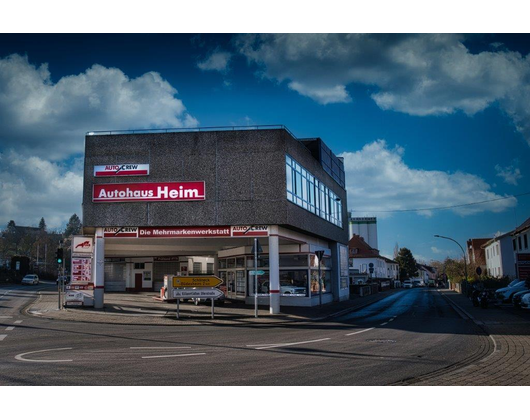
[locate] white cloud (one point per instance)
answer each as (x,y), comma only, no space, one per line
(377,178)
(32,187)
(510,174)
(217,61)
(39,116)
(415,74)
(44,124)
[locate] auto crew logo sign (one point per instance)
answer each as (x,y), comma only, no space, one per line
(127,169)
(148,191)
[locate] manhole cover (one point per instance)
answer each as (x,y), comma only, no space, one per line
(381,341)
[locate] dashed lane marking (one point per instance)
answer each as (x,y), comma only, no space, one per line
(173,355)
(18,322)
(359,332)
(10,328)
(6,316)
(2,336)
(271,346)
(158,348)
(384,323)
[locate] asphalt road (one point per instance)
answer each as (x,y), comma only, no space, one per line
(410,333)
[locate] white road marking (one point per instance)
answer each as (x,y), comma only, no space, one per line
(21,356)
(359,332)
(271,346)
(391,319)
(2,336)
(173,355)
(158,348)
(18,322)
(6,316)
(384,323)
(10,328)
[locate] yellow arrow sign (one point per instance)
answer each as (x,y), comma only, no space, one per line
(196,281)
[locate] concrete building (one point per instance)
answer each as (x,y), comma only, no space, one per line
(155,203)
(365,227)
(499,254)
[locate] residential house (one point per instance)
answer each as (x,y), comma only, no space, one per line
(499,253)
(521,249)
(475,253)
(362,255)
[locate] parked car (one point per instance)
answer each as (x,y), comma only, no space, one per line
(407,284)
(516,299)
(30,279)
(505,294)
(525,301)
(417,283)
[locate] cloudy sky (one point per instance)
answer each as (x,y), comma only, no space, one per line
(421,121)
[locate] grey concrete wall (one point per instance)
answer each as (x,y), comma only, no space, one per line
(244,173)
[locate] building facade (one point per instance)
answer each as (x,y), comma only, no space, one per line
(521,249)
(366,260)
(160,203)
(499,255)
(365,227)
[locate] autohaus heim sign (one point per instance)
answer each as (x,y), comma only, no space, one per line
(148,191)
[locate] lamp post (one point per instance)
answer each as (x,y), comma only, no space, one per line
(463,252)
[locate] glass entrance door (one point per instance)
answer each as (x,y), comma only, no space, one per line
(236,284)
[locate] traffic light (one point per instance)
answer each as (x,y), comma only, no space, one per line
(59,255)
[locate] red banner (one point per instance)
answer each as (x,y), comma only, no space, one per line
(148,191)
(523,266)
(188,232)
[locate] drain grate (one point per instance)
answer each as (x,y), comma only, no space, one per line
(381,341)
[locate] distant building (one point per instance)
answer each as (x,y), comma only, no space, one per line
(366,228)
(475,253)
(362,255)
(521,249)
(426,272)
(499,253)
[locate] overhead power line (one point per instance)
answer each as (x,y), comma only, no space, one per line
(441,208)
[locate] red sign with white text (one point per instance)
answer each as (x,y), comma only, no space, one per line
(149,191)
(523,266)
(188,232)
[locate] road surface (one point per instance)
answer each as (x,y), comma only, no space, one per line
(410,333)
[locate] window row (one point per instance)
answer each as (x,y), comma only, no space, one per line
(306,191)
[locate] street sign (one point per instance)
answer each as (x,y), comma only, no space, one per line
(259,272)
(196,281)
(371,270)
(210,293)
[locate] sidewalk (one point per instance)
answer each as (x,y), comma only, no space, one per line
(142,309)
(508,364)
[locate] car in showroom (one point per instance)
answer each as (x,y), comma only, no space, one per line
(30,279)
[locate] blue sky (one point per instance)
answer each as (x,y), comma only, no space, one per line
(423,121)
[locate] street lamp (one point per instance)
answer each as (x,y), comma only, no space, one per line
(463,252)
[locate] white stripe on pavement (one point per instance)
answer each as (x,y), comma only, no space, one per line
(18,322)
(384,323)
(359,332)
(22,359)
(173,355)
(271,346)
(10,328)
(158,348)
(6,316)
(2,336)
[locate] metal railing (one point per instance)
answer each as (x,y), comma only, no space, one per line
(191,129)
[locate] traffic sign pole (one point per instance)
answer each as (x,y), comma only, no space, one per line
(213,310)
(178,308)
(255,277)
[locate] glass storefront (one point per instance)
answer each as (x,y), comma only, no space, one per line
(298,275)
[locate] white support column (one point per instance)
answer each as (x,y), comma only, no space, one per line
(99,269)
(274,274)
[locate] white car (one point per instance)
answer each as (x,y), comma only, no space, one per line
(505,294)
(525,301)
(407,284)
(30,279)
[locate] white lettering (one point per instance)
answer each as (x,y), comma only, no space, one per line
(162,192)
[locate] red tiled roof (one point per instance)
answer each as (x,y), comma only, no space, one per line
(362,249)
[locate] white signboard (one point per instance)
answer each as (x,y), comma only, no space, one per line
(197,293)
(82,245)
(126,169)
